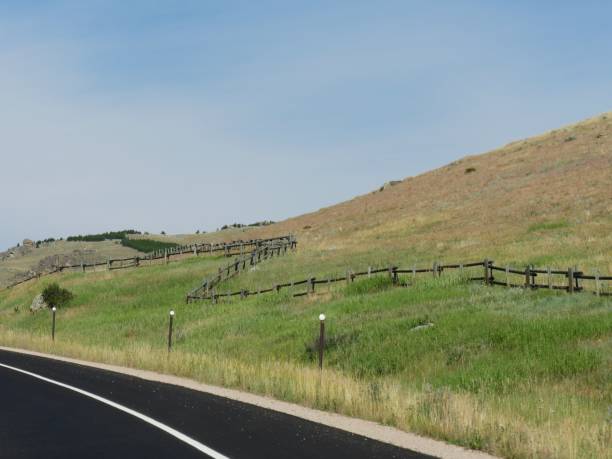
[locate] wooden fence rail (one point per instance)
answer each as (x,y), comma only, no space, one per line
(263,251)
(229,249)
(571,279)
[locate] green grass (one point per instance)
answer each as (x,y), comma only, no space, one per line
(517,373)
(548,226)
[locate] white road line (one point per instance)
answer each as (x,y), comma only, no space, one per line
(175,433)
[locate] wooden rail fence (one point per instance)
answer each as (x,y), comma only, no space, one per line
(263,251)
(229,249)
(570,279)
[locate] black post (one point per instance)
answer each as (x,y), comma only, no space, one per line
(53,309)
(170,330)
(321,339)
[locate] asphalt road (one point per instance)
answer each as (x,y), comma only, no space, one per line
(41,419)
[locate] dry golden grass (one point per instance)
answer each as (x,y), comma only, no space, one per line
(431,412)
(547,196)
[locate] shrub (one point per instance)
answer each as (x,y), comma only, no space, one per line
(56,296)
(469,170)
(571,138)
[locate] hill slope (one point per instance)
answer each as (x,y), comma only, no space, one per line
(41,259)
(546,196)
(515,372)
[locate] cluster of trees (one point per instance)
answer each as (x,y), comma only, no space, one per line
(103,236)
(242,225)
(147,245)
(45,241)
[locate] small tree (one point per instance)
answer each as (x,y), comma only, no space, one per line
(56,296)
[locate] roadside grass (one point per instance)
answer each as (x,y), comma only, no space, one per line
(516,373)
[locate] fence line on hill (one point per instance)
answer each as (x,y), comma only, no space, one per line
(164,256)
(571,281)
(262,252)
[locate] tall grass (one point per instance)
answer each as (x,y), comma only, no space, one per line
(519,374)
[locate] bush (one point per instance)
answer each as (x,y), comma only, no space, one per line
(56,296)
(469,170)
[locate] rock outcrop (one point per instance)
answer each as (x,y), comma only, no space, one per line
(38,303)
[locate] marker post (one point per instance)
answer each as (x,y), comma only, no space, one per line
(321,339)
(53,309)
(170,330)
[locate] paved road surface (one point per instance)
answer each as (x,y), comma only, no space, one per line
(120,416)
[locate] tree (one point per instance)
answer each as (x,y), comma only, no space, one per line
(56,296)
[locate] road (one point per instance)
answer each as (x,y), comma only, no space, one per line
(53,409)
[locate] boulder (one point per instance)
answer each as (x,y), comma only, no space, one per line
(38,303)
(389,184)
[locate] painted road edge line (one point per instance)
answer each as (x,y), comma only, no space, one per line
(175,433)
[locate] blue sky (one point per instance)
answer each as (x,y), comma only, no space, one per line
(187,115)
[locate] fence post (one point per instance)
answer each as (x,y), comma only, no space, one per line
(597,284)
(195,250)
(311,284)
(395,279)
(108,264)
(277,288)
(485,264)
(413,272)
(576,276)
(213,296)
(82,267)
(527,277)
(507,276)
(570,280)
(348,277)
(369,272)
(321,339)
(166,256)
(548,271)
(434,268)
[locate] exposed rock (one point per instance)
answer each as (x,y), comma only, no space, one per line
(389,185)
(28,243)
(421,327)
(38,303)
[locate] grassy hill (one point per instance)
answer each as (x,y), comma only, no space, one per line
(525,374)
(77,251)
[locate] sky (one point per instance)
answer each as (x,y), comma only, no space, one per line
(178,116)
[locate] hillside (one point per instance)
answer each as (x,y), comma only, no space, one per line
(32,259)
(548,196)
(521,373)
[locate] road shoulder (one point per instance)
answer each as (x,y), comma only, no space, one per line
(356,426)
